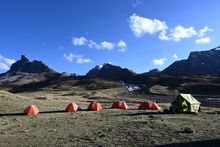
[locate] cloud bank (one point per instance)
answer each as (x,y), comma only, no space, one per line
(142,25)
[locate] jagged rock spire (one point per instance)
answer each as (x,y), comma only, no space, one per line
(24,58)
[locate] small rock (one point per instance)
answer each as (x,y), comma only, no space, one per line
(188,130)
(53,130)
(101,135)
(26,131)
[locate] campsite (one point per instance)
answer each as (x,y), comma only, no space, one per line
(107,127)
(109,73)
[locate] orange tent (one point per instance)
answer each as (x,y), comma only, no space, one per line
(95,106)
(154,106)
(115,104)
(31,110)
(120,105)
(144,105)
(72,107)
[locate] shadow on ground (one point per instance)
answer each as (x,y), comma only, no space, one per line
(139,113)
(42,112)
(204,143)
(11,114)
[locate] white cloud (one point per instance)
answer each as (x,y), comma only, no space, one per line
(83,60)
(136,3)
(69,57)
(159,61)
(202,32)
(103,45)
(107,45)
(123,50)
(180,32)
(204,40)
(93,44)
(4,66)
(122,46)
(5,63)
(141,25)
(9,61)
(163,35)
(79,41)
(175,56)
(79,59)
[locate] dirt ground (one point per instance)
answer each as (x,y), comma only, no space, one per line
(109,127)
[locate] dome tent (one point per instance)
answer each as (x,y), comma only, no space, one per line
(72,107)
(144,105)
(119,105)
(31,110)
(185,103)
(95,106)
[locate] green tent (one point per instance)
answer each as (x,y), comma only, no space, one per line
(185,103)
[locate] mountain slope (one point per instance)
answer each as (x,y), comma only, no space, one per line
(198,63)
(25,71)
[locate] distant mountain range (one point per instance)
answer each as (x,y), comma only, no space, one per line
(198,63)
(198,74)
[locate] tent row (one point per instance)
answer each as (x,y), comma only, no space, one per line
(184,103)
(95,106)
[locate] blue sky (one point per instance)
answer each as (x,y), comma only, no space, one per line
(75,35)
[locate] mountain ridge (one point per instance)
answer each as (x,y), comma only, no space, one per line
(110,72)
(198,63)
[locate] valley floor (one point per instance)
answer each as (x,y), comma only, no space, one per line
(109,127)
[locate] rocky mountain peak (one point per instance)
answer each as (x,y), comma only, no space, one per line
(24,58)
(110,72)
(27,66)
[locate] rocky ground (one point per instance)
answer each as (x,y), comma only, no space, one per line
(109,127)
